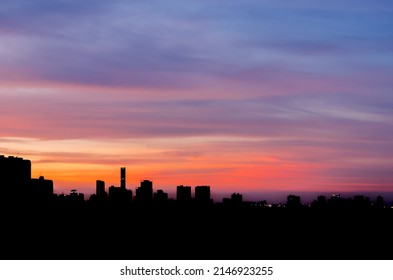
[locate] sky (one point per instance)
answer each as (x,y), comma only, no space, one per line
(253,96)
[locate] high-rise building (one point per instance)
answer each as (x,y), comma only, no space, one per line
(183,194)
(120,195)
(15,174)
(144,194)
(202,194)
(100,188)
(123,177)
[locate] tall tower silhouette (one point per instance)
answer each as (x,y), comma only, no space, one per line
(122,177)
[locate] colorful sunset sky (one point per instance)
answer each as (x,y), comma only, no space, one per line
(249,96)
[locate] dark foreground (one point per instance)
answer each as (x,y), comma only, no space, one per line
(203,233)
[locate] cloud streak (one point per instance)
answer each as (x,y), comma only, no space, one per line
(156,46)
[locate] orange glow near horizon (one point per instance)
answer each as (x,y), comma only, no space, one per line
(223,174)
(227,165)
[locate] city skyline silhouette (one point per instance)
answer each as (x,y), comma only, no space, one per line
(16,173)
(277,114)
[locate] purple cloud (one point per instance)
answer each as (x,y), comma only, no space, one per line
(170,44)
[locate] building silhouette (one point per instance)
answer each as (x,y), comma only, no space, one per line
(120,196)
(123,178)
(202,195)
(160,196)
(361,201)
(74,195)
(16,185)
(144,193)
(379,203)
(293,201)
(183,194)
(42,187)
(15,175)
(320,202)
(237,198)
(335,201)
(100,189)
